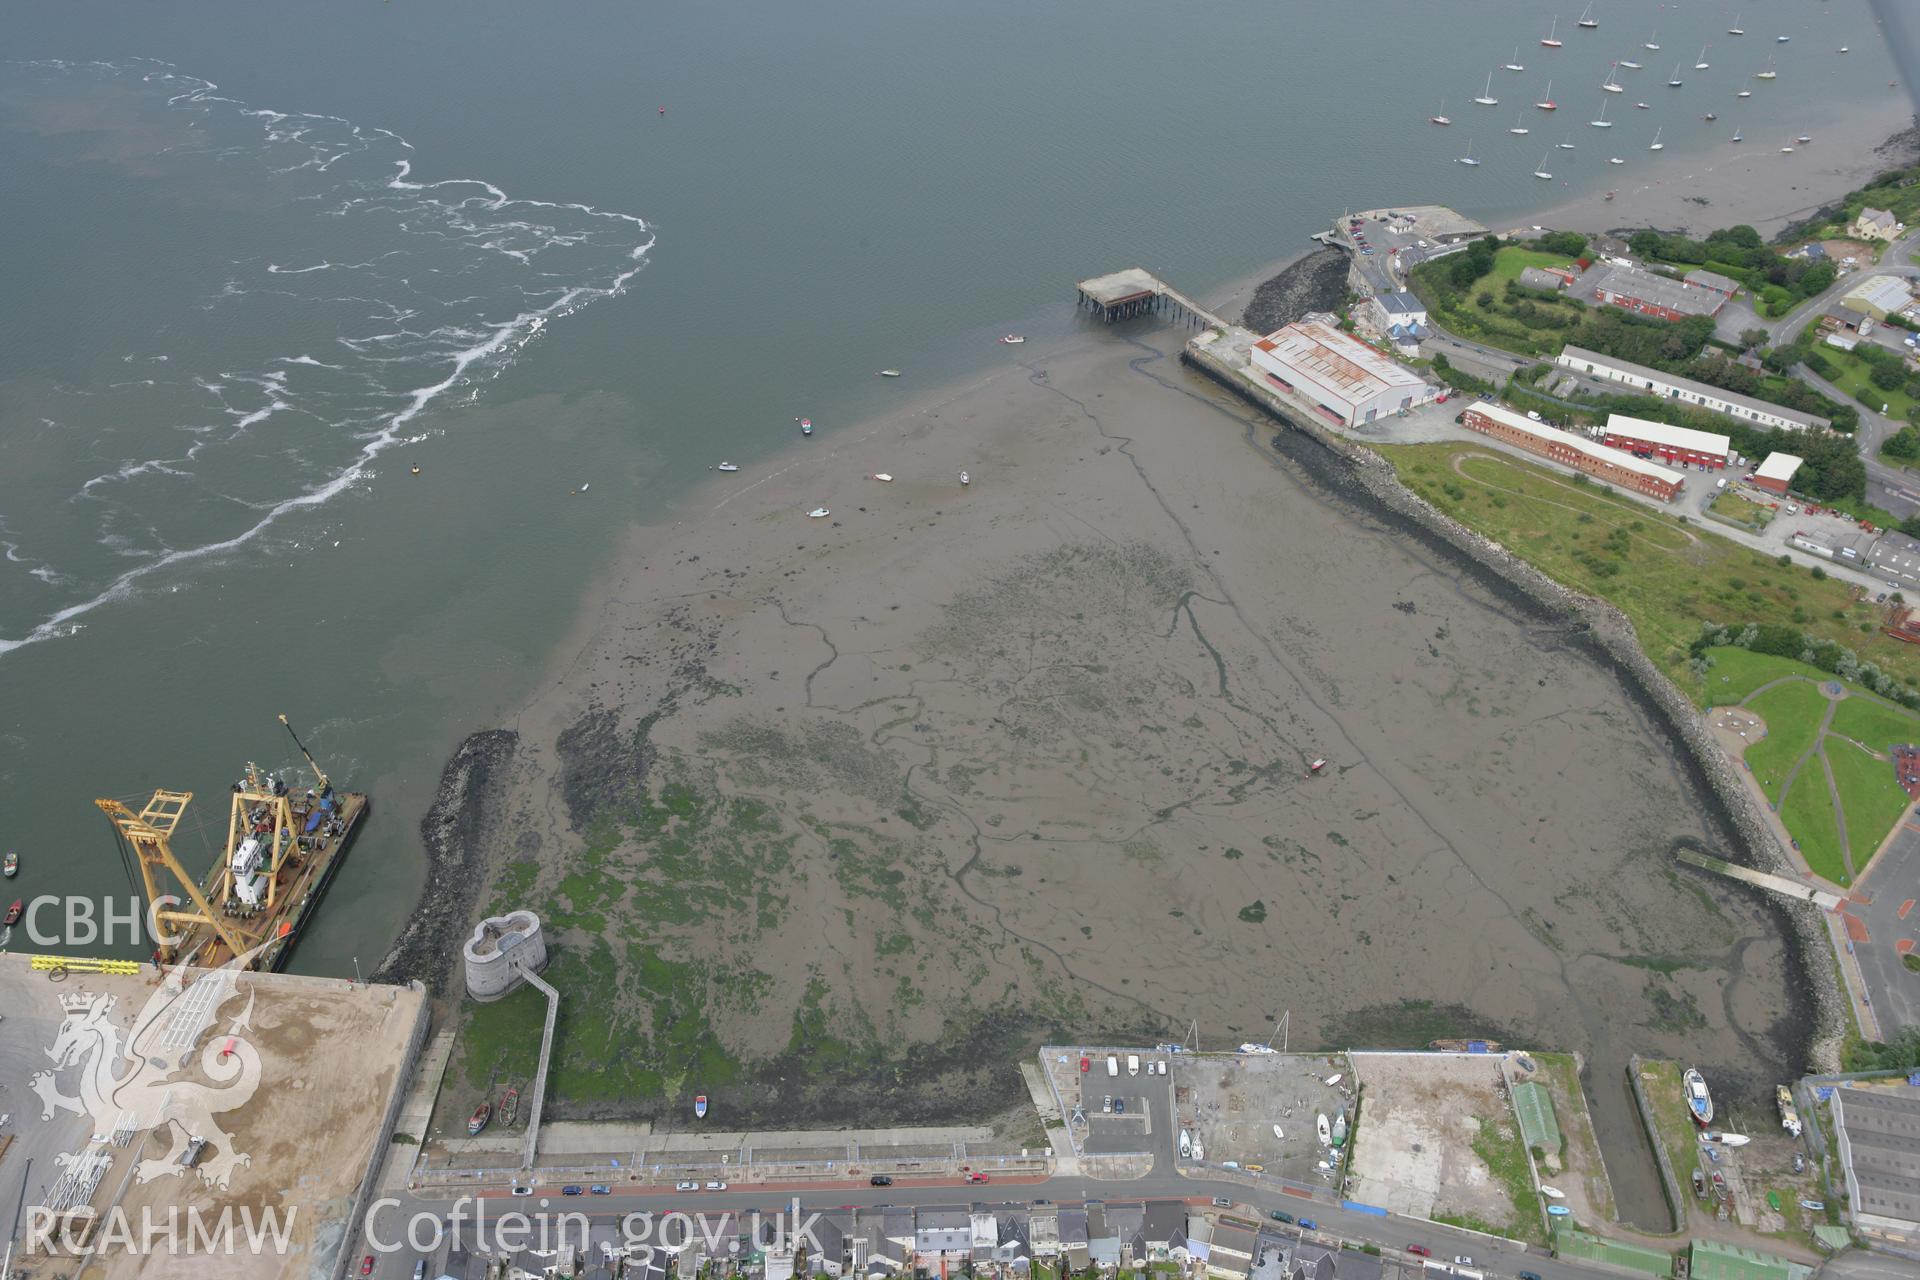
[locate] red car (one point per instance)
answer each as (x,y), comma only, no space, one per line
(976,1177)
(1086,1065)
(1419,1251)
(366,1265)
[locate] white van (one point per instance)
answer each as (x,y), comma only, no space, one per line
(1719,484)
(1133,1064)
(1113,1065)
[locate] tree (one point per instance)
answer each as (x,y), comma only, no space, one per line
(1886,377)
(1753,339)
(1571,243)
(1815,278)
(1904,443)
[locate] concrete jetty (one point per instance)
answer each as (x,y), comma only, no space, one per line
(1794,889)
(1137,291)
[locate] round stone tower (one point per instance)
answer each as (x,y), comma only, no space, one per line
(501,951)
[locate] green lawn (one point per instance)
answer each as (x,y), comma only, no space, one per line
(1869,796)
(1738,672)
(1874,724)
(1852,376)
(1495,323)
(1793,712)
(1666,577)
(1808,813)
(1731,506)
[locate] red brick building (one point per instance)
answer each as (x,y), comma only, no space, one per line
(1776,473)
(1652,295)
(1656,441)
(1573,451)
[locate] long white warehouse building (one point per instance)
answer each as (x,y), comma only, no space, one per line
(1674,387)
(1346,379)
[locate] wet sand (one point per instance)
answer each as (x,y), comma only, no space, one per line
(956,765)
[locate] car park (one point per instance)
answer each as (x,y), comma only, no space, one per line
(686,1186)
(879,1180)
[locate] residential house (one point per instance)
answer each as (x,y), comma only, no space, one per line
(1043,1231)
(1162,1231)
(1230,1252)
(1013,1246)
(1541,278)
(1270,1258)
(1072,1227)
(942,1235)
(897,1238)
(1875,224)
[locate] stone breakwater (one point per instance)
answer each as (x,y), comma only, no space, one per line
(453,831)
(1317,282)
(1613,637)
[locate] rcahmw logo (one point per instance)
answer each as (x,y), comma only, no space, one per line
(245,1229)
(55,921)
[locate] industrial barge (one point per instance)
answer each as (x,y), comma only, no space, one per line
(282,851)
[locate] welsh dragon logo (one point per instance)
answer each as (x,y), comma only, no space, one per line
(148,1082)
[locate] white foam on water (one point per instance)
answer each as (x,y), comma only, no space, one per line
(520,263)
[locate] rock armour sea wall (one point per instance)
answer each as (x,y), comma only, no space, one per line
(452,832)
(1612,634)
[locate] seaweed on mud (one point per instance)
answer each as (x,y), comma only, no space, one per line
(601,769)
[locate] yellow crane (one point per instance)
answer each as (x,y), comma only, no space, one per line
(149,833)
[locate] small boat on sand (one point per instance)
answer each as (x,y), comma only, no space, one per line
(1559,1210)
(1552,1193)
(1014,339)
(509,1108)
(1324,1128)
(1278,1132)
(889,373)
(700,1106)
(1340,1129)
(1334,1079)
(1186,1145)
(1729,1139)
(726,466)
(818,513)
(806,426)
(478,1120)
(881,475)
(11,867)
(965,478)
(1318,763)
(1699,1101)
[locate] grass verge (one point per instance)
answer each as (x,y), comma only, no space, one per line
(1808,815)
(1869,797)
(1793,712)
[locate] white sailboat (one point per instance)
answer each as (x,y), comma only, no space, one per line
(1541,172)
(819,513)
(1552,1193)
(1702,64)
(1515,64)
(1519,125)
(1615,160)
(1602,122)
(1550,40)
(1324,1128)
(1546,102)
(1587,19)
(1629,64)
(1567,145)
(1736,29)
(1738,136)
(1486,98)
(1609,84)
(1676,81)
(1657,144)
(1768,74)
(1653,42)
(1468,159)
(1442,117)
(1186,1145)
(1744,93)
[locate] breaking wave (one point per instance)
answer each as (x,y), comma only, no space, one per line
(389,294)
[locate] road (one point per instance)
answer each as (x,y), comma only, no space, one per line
(1333,1223)
(1897,260)
(1893,488)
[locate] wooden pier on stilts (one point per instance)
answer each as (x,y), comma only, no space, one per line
(1135,292)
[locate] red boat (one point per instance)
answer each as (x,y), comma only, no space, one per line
(478,1120)
(509,1108)
(13,914)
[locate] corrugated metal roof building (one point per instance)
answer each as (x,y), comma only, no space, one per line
(1342,377)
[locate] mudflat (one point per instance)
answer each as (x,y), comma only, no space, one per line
(830,817)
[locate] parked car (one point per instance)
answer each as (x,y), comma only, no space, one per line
(420,1269)
(1308,1224)
(1221,1202)
(1281,1215)
(879,1180)
(1106,1104)
(716,1186)
(1419,1251)
(1462,1260)
(686,1186)
(977,1177)
(366,1265)
(573,1190)
(1256,1168)
(1119,1106)
(1528,1275)
(1086,1064)
(598,1190)
(520,1190)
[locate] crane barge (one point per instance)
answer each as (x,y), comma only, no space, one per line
(282,850)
